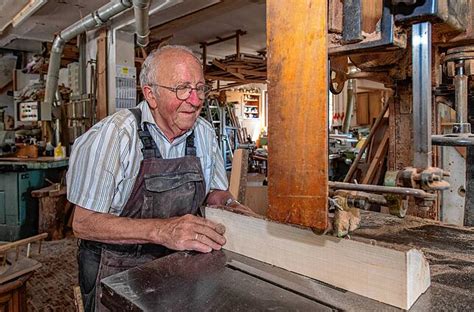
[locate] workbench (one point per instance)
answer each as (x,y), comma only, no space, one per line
(18,177)
(226,281)
(44,162)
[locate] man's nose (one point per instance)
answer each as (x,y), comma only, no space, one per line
(193,98)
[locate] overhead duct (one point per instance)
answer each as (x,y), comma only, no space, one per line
(141,8)
(95,19)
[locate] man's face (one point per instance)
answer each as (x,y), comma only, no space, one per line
(175,116)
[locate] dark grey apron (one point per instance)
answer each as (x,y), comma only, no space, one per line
(164,188)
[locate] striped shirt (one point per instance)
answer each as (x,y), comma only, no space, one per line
(105,160)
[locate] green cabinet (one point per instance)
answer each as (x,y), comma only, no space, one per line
(18,210)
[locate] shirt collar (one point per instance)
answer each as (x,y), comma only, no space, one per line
(147,117)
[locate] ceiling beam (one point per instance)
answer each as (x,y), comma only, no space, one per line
(238,33)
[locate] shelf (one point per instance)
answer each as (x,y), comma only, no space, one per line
(249,107)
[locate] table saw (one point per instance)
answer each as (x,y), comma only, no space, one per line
(223,280)
(403,44)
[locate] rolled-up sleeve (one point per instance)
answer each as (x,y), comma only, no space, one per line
(95,168)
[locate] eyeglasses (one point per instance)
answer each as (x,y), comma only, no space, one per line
(183,92)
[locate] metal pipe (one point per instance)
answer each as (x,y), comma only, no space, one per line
(421,78)
(95,19)
(461,95)
(351,98)
(141,8)
(381,189)
(372,198)
(81,39)
(458,139)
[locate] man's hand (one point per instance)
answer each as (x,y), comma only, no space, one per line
(221,198)
(191,233)
(242,209)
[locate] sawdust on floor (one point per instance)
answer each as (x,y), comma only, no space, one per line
(51,286)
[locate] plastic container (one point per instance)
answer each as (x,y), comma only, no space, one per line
(59,152)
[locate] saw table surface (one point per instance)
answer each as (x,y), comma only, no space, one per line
(199,282)
(225,281)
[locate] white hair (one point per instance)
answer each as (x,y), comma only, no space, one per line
(149,71)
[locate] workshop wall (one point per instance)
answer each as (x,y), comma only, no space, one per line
(7,65)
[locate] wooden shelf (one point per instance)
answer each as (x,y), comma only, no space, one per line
(250,103)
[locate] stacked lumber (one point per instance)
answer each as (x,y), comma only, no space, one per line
(241,67)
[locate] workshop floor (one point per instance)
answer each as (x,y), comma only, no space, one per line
(51,287)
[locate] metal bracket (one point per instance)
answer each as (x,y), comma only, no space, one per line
(453,13)
(388,37)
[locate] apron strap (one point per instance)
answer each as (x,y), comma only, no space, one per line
(190,148)
(149,150)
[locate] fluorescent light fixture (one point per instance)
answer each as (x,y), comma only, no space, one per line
(27,11)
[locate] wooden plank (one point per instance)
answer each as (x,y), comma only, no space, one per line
(101,106)
(336,10)
(17,268)
(78,299)
(375,105)
(390,275)
(256,197)
(216,77)
(32,239)
(376,162)
(224,67)
(373,130)
(55,189)
(362,109)
(297,113)
(371,14)
(238,175)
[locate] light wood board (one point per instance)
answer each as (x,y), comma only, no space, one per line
(395,277)
(238,175)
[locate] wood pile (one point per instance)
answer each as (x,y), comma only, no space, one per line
(241,67)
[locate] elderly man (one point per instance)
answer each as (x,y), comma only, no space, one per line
(138,177)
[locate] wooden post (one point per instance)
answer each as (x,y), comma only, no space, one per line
(101,108)
(297,112)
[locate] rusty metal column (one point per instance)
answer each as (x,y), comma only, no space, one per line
(297,112)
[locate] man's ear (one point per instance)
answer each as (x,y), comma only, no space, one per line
(150,96)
